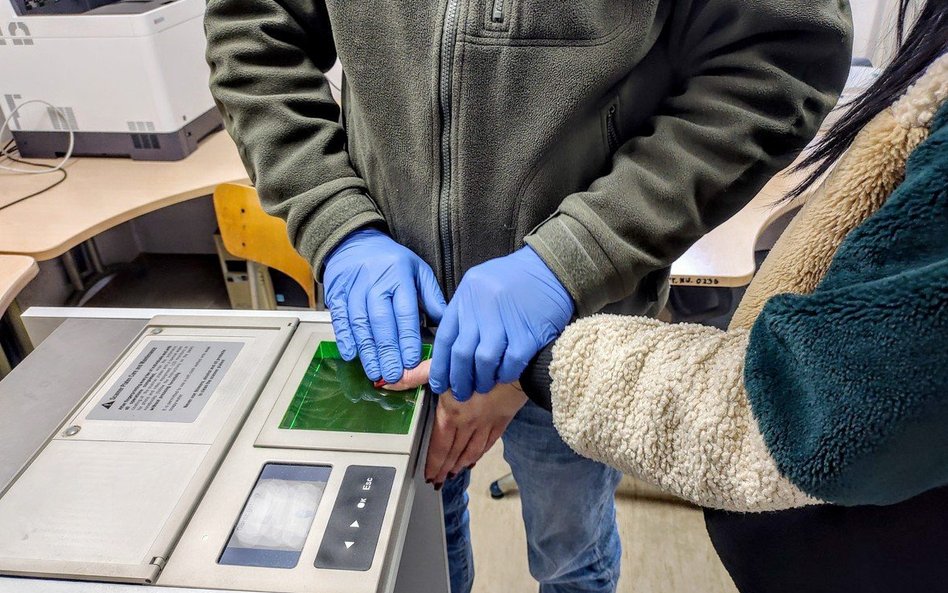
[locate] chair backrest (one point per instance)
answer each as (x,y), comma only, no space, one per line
(251,233)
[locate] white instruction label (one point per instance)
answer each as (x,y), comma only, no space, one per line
(169,381)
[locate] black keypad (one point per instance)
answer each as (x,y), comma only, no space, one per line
(356,520)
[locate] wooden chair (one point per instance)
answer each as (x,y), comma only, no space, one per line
(250,233)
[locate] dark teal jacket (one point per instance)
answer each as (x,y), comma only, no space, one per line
(849,384)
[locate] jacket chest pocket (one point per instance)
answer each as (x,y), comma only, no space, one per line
(555,20)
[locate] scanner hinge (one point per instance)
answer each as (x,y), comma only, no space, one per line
(159,563)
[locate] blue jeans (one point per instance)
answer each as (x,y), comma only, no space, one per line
(568,509)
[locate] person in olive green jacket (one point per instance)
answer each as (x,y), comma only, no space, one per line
(595,141)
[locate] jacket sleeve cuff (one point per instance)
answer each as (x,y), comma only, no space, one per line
(578,261)
(536,379)
(346,212)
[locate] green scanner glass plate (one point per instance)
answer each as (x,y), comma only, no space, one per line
(335,395)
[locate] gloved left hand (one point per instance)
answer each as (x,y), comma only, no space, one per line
(504,311)
(373,286)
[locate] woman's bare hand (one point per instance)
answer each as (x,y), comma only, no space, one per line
(411,378)
(463,432)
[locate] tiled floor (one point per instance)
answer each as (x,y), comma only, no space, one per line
(666,548)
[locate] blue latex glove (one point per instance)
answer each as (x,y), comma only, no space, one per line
(373,285)
(505,310)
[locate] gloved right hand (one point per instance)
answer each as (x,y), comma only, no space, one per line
(373,286)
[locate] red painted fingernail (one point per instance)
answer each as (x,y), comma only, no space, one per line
(380,383)
(472,465)
(451,475)
(439,485)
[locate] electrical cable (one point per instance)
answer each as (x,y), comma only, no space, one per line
(5,151)
(50,168)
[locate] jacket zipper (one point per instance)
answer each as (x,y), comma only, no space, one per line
(448,39)
(611,133)
(497,14)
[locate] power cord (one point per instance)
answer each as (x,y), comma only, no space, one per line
(5,152)
(50,168)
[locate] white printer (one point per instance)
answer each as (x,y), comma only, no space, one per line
(127,77)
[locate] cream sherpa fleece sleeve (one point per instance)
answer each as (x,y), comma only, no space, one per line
(667,403)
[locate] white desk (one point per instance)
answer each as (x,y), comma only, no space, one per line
(101,193)
(725,256)
(15,273)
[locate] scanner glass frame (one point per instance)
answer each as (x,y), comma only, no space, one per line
(296,362)
(335,395)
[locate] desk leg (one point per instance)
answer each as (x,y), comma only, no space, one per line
(94,258)
(72,271)
(5,366)
(87,283)
(19,330)
(254,285)
(21,339)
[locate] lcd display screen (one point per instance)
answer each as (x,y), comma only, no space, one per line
(277,517)
(335,395)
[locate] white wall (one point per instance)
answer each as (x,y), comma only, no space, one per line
(865,19)
(874,24)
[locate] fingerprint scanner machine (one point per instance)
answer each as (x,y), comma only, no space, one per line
(207,451)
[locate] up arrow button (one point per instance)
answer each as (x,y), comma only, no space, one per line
(349,544)
(355,524)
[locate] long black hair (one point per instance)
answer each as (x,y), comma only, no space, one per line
(927,40)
